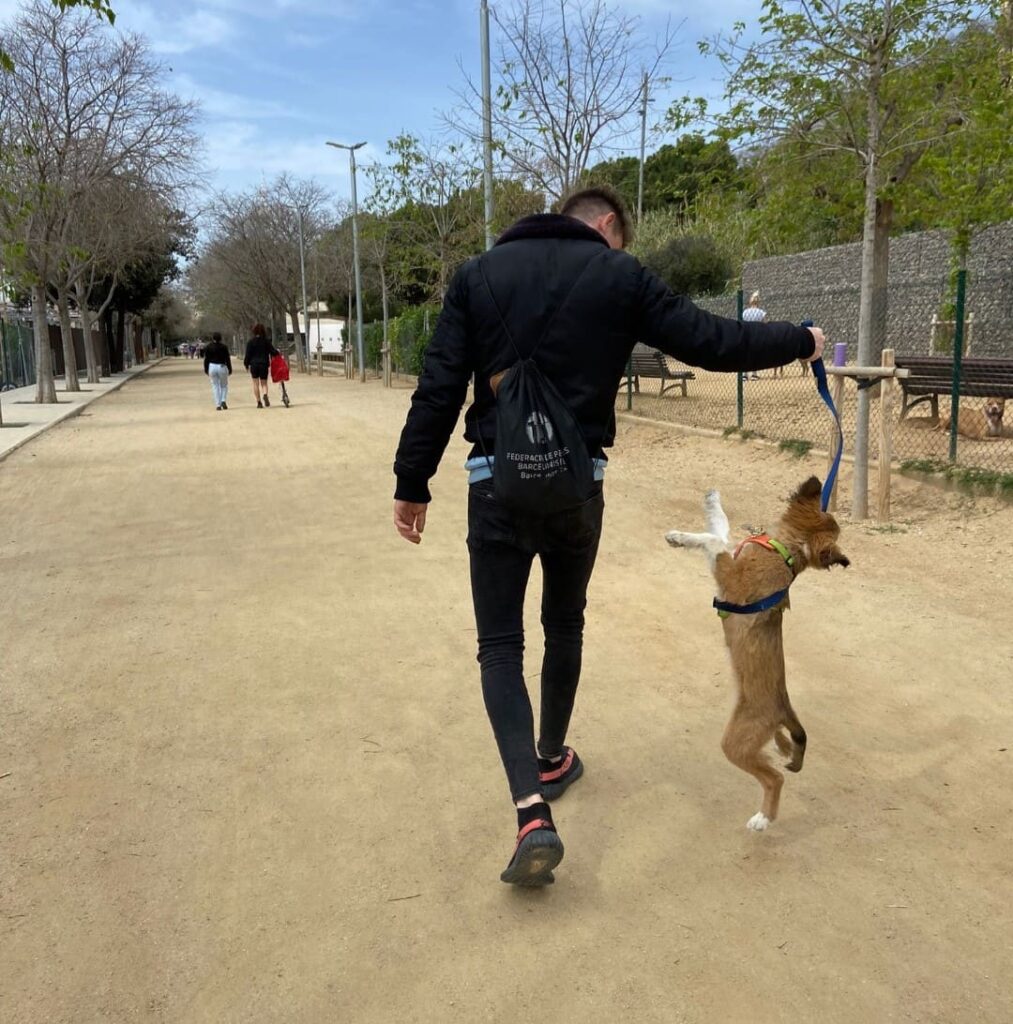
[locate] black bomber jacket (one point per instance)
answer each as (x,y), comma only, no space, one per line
(556,272)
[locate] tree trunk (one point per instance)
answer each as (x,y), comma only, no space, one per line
(880,278)
(296,335)
(118,340)
(386,320)
(106,339)
(860,501)
(70,381)
(89,342)
(45,388)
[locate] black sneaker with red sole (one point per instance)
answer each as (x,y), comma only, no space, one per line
(539,849)
(556,776)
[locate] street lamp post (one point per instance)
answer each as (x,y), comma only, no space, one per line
(486,121)
(355,257)
(305,308)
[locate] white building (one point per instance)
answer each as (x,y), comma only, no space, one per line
(323,327)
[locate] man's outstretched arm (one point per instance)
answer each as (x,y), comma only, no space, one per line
(436,405)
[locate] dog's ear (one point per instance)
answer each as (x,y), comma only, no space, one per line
(833,556)
(811,489)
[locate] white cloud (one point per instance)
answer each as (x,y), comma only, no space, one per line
(230,106)
(194,30)
(242,154)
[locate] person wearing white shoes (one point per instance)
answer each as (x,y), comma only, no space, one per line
(218,366)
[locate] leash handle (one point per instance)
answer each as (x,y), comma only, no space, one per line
(820,373)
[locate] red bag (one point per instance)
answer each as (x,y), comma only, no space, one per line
(279,368)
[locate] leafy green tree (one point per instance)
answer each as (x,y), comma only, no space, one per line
(674,175)
(831,75)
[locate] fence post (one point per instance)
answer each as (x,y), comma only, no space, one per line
(958,358)
(837,394)
(739,396)
(886,395)
(629,383)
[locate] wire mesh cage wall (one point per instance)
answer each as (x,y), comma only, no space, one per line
(17,354)
(783,405)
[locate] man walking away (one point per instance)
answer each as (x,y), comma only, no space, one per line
(218,366)
(558,286)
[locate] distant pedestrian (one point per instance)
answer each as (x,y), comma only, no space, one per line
(258,361)
(218,366)
(752,314)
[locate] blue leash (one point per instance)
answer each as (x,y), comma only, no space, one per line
(726,608)
(820,373)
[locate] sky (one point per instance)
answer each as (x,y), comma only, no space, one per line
(277,78)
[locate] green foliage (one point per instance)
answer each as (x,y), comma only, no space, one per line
(410,334)
(690,265)
(674,175)
(968,478)
(372,337)
(796,446)
(963,184)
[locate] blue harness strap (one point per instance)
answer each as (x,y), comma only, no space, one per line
(726,608)
(820,373)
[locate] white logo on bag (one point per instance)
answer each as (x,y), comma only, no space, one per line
(539,429)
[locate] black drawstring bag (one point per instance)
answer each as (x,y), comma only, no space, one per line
(541,464)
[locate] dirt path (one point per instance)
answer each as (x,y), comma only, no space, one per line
(251,778)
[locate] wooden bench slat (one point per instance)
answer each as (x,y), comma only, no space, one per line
(650,363)
(932,376)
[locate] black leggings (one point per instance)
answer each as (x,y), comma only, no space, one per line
(502,547)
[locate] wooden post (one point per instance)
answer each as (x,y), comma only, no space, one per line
(837,394)
(887,387)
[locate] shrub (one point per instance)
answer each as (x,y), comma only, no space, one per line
(690,265)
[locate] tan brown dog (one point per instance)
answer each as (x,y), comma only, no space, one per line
(980,424)
(764,567)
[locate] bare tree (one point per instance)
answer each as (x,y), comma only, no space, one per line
(570,83)
(79,108)
(376,230)
(257,237)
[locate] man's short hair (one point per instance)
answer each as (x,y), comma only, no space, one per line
(216,336)
(590,203)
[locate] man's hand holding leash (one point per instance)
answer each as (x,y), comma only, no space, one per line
(820,340)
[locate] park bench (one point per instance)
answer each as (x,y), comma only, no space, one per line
(649,362)
(931,376)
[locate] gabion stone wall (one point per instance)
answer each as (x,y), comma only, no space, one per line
(824,285)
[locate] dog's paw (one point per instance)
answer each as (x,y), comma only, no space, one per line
(759,822)
(676,538)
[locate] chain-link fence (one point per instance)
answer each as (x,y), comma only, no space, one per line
(17,354)
(783,404)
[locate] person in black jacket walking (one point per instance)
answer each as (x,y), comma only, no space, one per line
(569,267)
(218,366)
(258,361)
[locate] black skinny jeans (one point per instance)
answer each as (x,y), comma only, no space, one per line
(502,547)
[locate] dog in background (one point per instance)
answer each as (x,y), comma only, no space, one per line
(979,424)
(760,567)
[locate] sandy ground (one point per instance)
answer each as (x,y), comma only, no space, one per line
(788,408)
(247,774)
